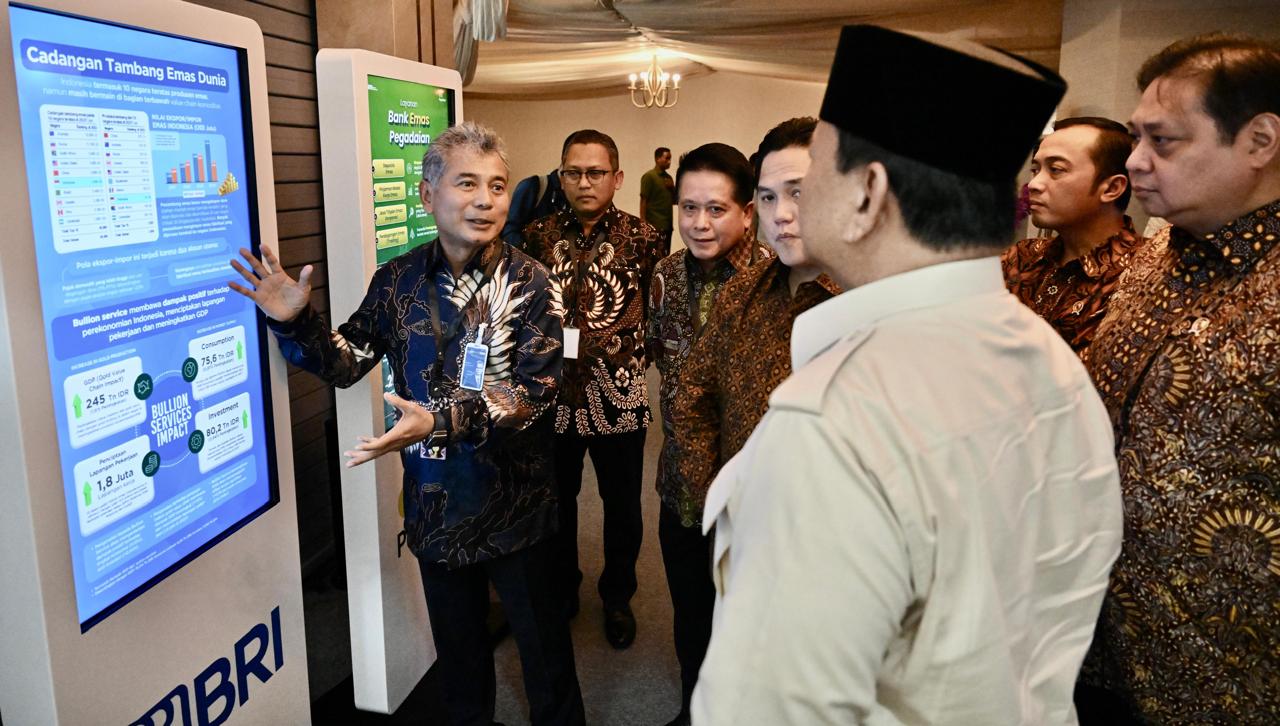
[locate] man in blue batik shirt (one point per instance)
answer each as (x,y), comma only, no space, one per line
(479,500)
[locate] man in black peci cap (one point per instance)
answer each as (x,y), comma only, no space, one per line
(920,528)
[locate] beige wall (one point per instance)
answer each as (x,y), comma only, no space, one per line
(731,108)
(1104,42)
(420,30)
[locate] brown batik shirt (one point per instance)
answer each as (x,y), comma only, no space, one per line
(1071,296)
(742,355)
(600,286)
(1188,364)
(680,300)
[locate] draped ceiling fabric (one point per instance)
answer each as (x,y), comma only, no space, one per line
(580,48)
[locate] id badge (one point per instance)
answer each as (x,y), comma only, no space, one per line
(474,361)
(571,342)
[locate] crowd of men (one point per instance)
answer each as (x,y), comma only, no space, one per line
(891,491)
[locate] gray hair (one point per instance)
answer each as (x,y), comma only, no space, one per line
(467,135)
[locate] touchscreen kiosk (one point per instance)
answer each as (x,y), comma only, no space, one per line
(378,115)
(141,184)
(142,168)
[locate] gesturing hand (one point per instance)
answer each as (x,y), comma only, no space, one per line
(415,424)
(278,295)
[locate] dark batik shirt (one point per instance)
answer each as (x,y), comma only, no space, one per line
(680,301)
(1073,296)
(604,389)
(492,494)
(1188,364)
(742,355)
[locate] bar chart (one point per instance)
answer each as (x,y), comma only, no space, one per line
(200,169)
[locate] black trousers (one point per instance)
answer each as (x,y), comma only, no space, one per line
(458,604)
(686,556)
(1097,706)
(619,461)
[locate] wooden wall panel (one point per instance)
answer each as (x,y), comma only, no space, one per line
(288,27)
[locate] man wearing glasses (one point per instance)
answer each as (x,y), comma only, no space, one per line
(600,259)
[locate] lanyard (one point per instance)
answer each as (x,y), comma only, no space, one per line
(444,336)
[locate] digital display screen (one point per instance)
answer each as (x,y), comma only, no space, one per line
(403,118)
(139,163)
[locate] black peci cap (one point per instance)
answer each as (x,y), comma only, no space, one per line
(952,104)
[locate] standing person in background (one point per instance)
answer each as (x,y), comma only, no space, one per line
(919,529)
(534,197)
(1079,188)
(479,502)
(657,196)
(744,351)
(715,183)
(600,259)
(1188,363)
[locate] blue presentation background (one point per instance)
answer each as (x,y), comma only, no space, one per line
(162,352)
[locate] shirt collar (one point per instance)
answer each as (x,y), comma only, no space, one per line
(1237,245)
(1097,261)
(932,286)
(777,276)
(743,255)
(1094,264)
(735,260)
(569,220)
(436,260)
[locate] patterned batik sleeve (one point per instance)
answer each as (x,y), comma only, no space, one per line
(697,418)
(343,356)
(652,339)
(512,401)
(651,253)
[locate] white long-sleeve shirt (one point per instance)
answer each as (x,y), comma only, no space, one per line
(921,528)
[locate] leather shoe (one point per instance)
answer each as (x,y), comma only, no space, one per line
(620,627)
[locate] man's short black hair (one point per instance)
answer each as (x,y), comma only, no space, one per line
(792,132)
(1240,75)
(725,159)
(1109,152)
(658,152)
(941,210)
(591,136)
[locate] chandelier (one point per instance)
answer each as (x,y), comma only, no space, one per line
(655,87)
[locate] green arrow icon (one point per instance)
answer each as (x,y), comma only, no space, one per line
(88,494)
(244,420)
(239,350)
(78,405)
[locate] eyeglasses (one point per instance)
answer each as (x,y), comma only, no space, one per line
(595,176)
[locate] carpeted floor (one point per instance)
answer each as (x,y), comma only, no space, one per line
(639,686)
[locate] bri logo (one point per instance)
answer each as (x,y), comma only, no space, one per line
(216,692)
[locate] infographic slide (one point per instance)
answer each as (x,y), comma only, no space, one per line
(136,153)
(403,118)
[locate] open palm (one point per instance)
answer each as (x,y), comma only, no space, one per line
(279,296)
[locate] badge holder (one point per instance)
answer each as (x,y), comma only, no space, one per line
(571,339)
(474,361)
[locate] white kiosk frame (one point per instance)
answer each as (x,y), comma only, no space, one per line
(391,646)
(155,649)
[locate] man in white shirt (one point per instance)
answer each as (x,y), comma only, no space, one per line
(920,529)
